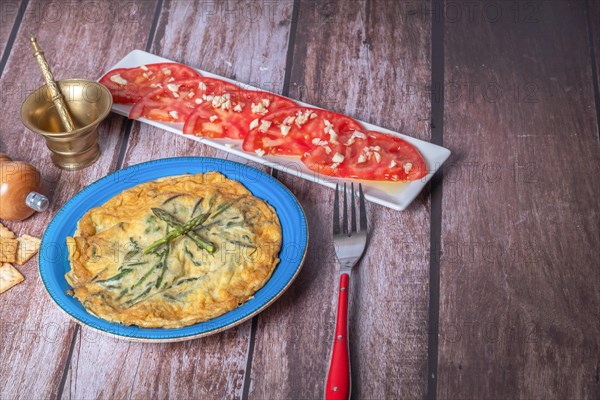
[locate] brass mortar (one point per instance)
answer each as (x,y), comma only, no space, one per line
(88,103)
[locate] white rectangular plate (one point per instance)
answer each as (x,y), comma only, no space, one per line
(390,194)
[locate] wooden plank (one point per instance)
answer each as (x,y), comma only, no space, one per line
(349,57)
(223,39)
(34,332)
(110,368)
(9,11)
(520,222)
(593,9)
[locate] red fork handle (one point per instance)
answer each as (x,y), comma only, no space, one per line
(338,378)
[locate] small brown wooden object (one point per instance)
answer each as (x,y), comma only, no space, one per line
(21,190)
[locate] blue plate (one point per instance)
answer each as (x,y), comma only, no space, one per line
(54,262)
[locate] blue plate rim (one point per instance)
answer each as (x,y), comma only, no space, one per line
(172,338)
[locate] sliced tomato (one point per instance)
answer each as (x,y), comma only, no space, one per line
(367,155)
(291,131)
(130,85)
(230,115)
(177,100)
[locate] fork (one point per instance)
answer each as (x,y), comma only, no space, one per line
(349,246)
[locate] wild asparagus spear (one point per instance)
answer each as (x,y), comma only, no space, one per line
(138,298)
(181,230)
(163,267)
(184,229)
(174,222)
(221,209)
(118,276)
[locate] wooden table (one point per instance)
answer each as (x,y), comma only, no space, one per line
(486,287)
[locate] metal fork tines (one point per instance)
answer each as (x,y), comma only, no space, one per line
(349,241)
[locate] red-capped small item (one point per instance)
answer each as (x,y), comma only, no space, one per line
(338,379)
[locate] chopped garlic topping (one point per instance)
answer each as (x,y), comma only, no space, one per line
(327,149)
(198,101)
(118,79)
(166,71)
(254,124)
(145,75)
(361,159)
(173,87)
(174,114)
(289,120)
(259,152)
(259,108)
(407,167)
(355,135)
(332,133)
(266,102)
(171,79)
(155,85)
(333,136)
(337,158)
(264,125)
(313,116)
(217,101)
(319,142)
(190,95)
(370,152)
(237,108)
(213,118)
(144,68)
(221,101)
(285,129)
(201,86)
(301,118)
(393,164)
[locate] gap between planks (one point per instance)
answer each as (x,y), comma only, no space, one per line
(591,44)
(435,231)
(13,35)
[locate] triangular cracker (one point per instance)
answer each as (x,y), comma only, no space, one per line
(28,246)
(6,233)
(9,277)
(8,249)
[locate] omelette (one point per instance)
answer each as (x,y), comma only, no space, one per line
(173,252)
